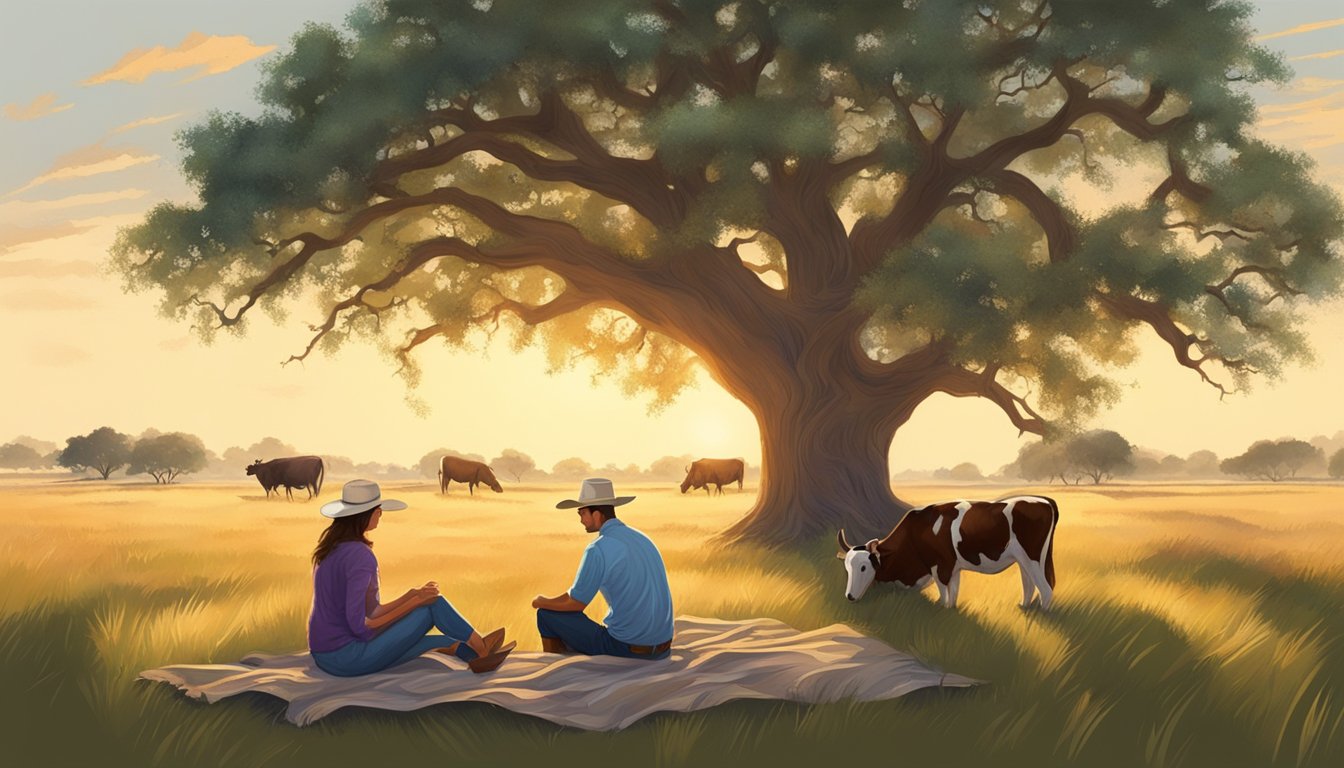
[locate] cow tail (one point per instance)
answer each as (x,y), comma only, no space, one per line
(321,474)
(1050,545)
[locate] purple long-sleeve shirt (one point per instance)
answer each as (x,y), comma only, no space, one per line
(343,584)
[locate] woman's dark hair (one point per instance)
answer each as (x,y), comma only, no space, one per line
(342,529)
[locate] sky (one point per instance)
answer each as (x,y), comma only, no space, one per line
(91,95)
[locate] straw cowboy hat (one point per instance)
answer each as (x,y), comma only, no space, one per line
(360,496)
(595,492)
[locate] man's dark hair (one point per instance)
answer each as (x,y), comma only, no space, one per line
(608,511)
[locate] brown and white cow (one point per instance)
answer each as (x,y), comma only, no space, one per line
(451,468)
(716,472)
(939,541)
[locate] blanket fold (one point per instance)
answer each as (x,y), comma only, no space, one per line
(712,661)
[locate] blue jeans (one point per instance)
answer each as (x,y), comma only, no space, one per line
(402,641)
(583,635)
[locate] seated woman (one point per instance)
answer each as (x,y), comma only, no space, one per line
(349,631)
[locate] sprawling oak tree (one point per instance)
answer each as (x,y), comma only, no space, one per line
(839,209)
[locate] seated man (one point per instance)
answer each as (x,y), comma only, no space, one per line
(625,566)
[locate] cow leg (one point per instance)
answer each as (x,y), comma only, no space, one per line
(953,587)
(1028,584)
(942,588)
(1037,573)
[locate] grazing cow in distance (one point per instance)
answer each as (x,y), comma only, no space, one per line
(295,472)
(716,472)
(466,471)
(939,541)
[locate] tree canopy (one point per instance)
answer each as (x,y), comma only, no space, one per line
(1272,460)
(104,450)
(839,209)
(166,456)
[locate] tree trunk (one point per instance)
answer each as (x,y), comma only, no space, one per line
(823,467)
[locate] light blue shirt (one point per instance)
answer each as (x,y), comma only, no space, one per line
(625,566)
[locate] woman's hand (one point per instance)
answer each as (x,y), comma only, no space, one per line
(428,593)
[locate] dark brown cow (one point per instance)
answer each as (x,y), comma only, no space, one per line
(466,471)
(939,541)
(716,472)
(295,472)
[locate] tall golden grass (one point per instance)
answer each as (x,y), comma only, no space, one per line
(1191,623)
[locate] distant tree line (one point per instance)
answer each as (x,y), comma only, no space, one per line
(1097,456)
(168,456)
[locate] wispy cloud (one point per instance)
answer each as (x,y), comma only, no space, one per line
(46,300)
(92,160)
(1301,28)
(1320,102)
(1325,55)
(18,236)
(147,121)
(210,54)
(40,107)
(25,207)
(45,268)
(15,237)
(1314,84)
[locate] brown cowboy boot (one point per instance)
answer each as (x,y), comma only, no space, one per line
(491,662)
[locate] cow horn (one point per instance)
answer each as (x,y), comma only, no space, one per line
(844,545)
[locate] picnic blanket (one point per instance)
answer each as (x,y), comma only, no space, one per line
(712,661)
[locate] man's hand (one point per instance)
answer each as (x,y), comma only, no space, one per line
(563,603)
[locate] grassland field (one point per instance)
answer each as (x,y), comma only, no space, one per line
(1194,625)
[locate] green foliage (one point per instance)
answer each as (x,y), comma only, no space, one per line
(104,450)
(19,456)
(1100,454)
(452,169)
(1272,460)
(167,456)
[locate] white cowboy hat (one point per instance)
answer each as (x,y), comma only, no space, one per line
(595,492)
(360,496)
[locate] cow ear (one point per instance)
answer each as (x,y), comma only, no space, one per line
(839,555)
(871,546)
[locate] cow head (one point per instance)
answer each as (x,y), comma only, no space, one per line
(252,468)
(860,566)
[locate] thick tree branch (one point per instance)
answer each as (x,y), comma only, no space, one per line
(1059,233)
(1155,315)
(641,184)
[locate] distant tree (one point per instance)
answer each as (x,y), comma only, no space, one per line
(265,449)
(1272,460)
(166,456)
(1172,464)
(1043,460)
(104,450)
(1336,466)
(670,467)
(339,465)
(513,463)
(1202,464)
(44,447)
(572,468)
(965,472)
(1100,454)
(19,456)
